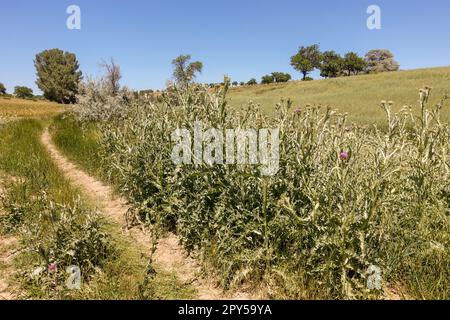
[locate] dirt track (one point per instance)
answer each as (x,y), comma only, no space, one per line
(169,255)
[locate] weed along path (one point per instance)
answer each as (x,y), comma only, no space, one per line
(169,256)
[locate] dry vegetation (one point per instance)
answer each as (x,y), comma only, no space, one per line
(11,108)
(359,96)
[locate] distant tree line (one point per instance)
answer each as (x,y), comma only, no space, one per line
(19,91)
(332,65)
(58,74)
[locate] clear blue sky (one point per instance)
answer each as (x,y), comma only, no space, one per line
(241,38)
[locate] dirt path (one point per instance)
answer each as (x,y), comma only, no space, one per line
(8,249)
(8,246)
(169,255)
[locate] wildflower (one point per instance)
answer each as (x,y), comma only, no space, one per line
(298,111)
(344,156)
(52,267)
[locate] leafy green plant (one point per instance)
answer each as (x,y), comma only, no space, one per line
(347,199)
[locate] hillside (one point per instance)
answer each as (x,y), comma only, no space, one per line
(359,96)
(19,108)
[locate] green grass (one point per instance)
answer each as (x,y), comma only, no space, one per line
(24,160)
(79,143)
(359,96)
(22,156)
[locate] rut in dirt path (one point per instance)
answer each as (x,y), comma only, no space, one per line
(169,256)
(8,249)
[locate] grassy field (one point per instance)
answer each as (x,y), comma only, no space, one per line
(413,253)
(34,186)
(20,108)
(358,96)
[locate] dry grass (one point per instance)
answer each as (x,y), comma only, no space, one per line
(11,108)
(358,96)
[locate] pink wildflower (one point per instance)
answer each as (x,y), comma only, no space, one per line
(52,267)
(344,155)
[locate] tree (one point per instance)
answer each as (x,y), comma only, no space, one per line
(112,76)
(184,71)
(235,83)
(2,88)
(23,92)
(252,82)
(267,79)
(281,77)
(307,59)
(354,64)
(332,64)
(242,83)
(58,75)
(380,60)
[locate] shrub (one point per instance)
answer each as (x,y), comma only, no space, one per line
(267,79)
(2,89)
(95,103)
(23,92)
(281,77)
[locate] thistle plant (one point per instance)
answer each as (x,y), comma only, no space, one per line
(345,201)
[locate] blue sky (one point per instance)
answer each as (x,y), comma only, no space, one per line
(241,38)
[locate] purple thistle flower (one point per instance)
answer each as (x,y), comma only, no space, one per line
(52,267)
(344,156)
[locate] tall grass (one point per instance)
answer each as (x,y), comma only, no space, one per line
(80,142)
(56,228)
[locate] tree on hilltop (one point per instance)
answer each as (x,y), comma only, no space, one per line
(281,77)
(354,64)
(307,59)
(381,60)
(331,65)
